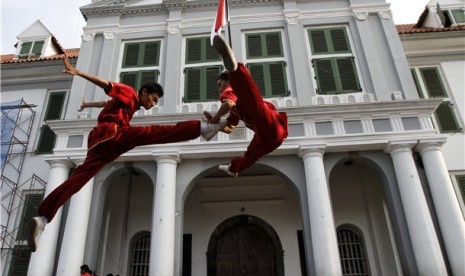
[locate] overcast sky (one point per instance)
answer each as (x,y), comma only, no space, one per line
(64,20)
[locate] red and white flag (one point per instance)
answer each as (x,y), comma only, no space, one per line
(220,20)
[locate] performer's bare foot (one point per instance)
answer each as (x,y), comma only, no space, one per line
(226,53)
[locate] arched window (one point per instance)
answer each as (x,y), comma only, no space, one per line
(139,255)
(352,252)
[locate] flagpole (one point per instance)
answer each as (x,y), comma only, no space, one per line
(229,25)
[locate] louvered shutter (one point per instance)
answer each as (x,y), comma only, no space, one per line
(194,50)
(325,76)
(30,210)
(37,48)
(212,74)
(46,140)
(25,48)
(257,70)
(459,16)
(19,260)
(55,106)
(192,84)
(254,46)
(446,118)
(318,42)
(433,82)
(273,45)
(131,55)
(151,53)
(340,44)
(278,79)
(347,74)
(211,54)
(147,76)
(461,182)
(129,78)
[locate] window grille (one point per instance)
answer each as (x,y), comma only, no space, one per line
(352,253)
(139,261)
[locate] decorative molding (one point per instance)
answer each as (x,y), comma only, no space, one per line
(109,35)
(397,95)
(360,15)
(174,26)
(88,37)
(385,14)
(291,16)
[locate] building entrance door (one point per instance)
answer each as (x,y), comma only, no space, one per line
(245,250)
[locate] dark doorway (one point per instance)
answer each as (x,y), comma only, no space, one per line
(245,246)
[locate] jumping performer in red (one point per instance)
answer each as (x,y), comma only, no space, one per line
(112,137)
(241,97)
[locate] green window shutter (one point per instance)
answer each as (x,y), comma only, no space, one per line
(273,45)
(19,260)
(318,42)
(37,48)
(147,76)
(433,82)
(264,45)
(212,74)
(270,78)
(193,84)
(417,84)
(46,140)
(201,84)
(459,15)
(347,74)
(211,54)
(129,78)
(194,50)
(25,48)
(131,54)
(31,204)
(254,46)
(339,40)
(461,182)
(325,76)
(55,106)
(151,53)
(278,79)
(446,118)
(257,71)
(329,41)
(199,50)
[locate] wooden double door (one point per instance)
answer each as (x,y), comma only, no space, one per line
(245,250)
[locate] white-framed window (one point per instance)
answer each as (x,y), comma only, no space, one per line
(352,251)
(55,109)
(266,61)
(31,49)
(451,17)
(139,254)
(140,62)
(429,84)
(333,60)
(202,66)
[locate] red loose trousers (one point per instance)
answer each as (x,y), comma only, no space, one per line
(270,126)
(112,137)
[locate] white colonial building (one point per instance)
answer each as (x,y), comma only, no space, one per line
(367,183)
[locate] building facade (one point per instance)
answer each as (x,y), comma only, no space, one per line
(362,185)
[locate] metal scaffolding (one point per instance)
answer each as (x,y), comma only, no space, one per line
(16,124)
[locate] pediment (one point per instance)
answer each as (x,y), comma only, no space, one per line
(36,29)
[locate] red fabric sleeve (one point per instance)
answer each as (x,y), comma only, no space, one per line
(122,92)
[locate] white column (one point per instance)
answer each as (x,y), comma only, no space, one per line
(326,254)
(445,203)
(43,260)
(163,218)
(74,238)
(425,244)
